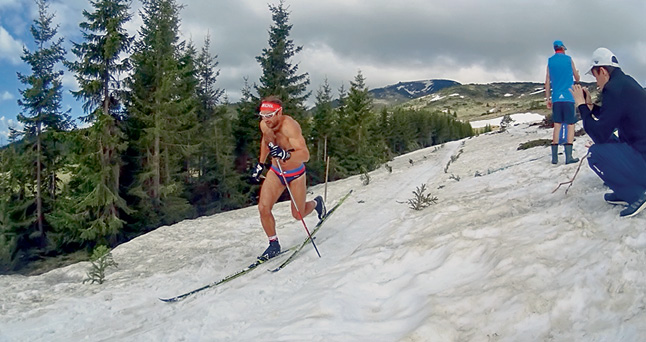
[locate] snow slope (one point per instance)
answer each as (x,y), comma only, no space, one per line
(517,118)
(498,258)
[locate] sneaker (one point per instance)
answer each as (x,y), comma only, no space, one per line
(271,251)
(612,198)
(320,207)
(635,207)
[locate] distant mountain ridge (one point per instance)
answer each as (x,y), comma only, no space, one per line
(404,91)
(467,102)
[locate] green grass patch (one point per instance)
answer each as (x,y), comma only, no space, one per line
(535,143)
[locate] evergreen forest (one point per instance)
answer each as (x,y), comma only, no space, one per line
(160,142)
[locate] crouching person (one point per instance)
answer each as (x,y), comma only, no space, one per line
(618,159)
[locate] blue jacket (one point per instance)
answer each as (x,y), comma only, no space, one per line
(623,109)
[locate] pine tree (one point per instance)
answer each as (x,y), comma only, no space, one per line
(161,115)
(279,76)
(189,104)
(360,150)
(97,178)
(246,129)
(387,130)
(100,58)
(42,116)
(337,142)
(216,185)
(323,120)
(208,97)
(16,207)
(323,125)
(208,94)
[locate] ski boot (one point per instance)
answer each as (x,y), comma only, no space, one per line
(320,207)
(271,251)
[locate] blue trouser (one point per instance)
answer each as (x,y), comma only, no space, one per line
(621,167)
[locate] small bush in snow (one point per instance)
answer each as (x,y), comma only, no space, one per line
(505,122)
(453,159)
(365,178)
(101,259)
(421,200)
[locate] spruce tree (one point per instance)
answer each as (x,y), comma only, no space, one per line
(246,129)
(42,115)
(97,178)
(207,92)
(279,76)
(189,104)
(323,125)
(323,121)
(16,207)
(336,147)
(386,129)
(360,149)
(216,186)
(208,98)
(161,115)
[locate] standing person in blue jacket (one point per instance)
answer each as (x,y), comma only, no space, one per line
(620,160)
(561,75)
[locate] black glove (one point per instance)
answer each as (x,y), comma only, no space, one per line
(254,178)
(276,151)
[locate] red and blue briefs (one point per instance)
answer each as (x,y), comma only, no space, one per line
(290,175)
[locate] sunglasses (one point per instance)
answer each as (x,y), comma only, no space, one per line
(268,115)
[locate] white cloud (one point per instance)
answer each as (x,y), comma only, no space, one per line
(379,73)
(466,41)
(6,96)
(67,15)
(12,123)
(10,48)
(69,81)
(5,124)
(9,3)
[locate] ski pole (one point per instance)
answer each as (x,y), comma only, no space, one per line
(280,168)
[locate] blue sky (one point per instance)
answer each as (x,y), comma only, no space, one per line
(468,41)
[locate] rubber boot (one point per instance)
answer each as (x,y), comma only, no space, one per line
(555,153)
(568,154)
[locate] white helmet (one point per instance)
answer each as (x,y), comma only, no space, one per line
(603,57)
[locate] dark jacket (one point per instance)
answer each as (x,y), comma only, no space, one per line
(623,109)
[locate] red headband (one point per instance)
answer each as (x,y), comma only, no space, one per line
(270,106)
